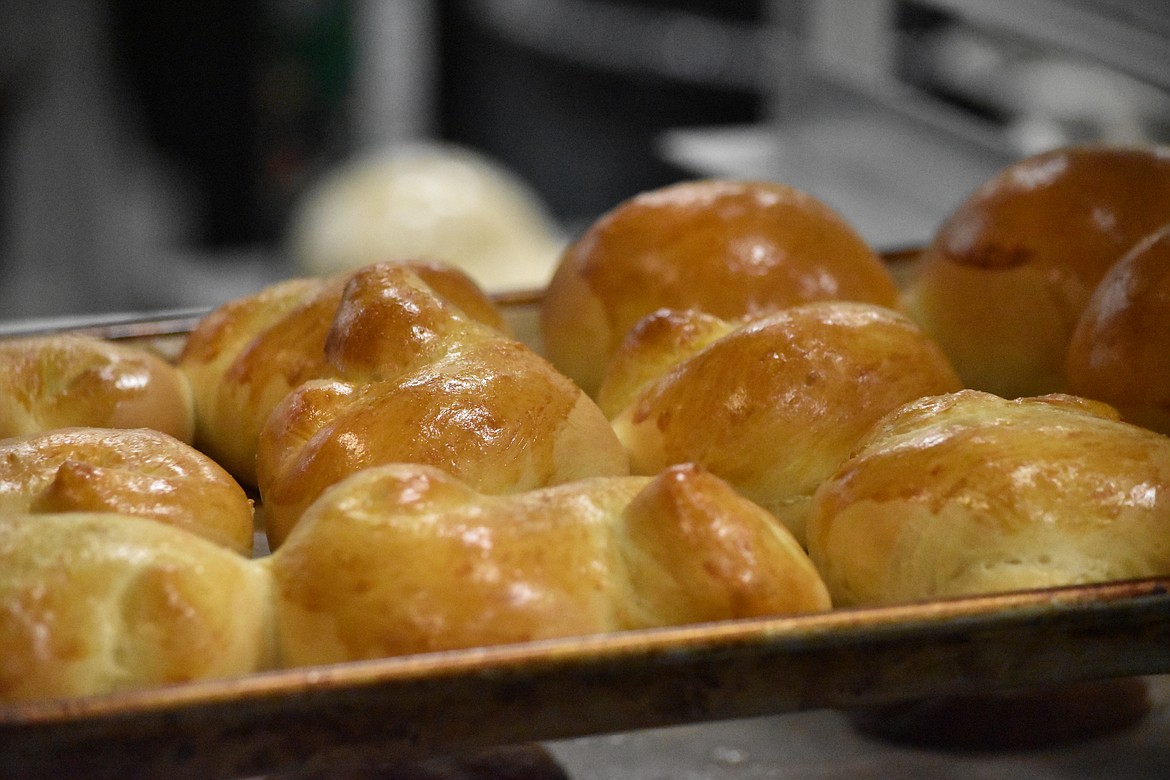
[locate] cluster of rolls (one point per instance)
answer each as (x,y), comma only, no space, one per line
(734,412)
(997,424)
(425,482)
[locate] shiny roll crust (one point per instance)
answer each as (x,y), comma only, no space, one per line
(774,406)
(95,603)
(405,559)
(970,493)
(734,249)
(136,472)
(1007,275)
(69,380)
(416,380)
(1120,351)
(245,356)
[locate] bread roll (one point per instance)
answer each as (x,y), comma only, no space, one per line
(429,200)
(245,356)
(733,249)
(775,406)
(970,493)
(136,472)
(417,381)
(402,559)
(1120,350)
(653,348)
(67,380)
(1007,275)
(94,603)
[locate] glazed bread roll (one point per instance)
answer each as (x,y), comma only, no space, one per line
(653,347)
(95,603)
(1120,351)
(431,564)
(415,380)
(970,493)
(245,356)
(134,471)
(67,380)
(1008,274)
(733,249)
(773,406)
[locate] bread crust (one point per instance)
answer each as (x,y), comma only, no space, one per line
(415,380)
(1120,350)
(136,472)
(1006,277)
(969,493)
(404,559)
(247,355)
(734,249)
(67,380)
(773,406)
(94,603)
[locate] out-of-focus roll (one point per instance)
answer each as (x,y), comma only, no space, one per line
(1007,275)
(135,472)
(773,406)
(969,493)
(433,201)
(95,603)
(415,380)
(734,249)
(67,380)
(248,354)
(431,564)
(1120,351)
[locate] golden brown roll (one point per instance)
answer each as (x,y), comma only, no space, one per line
(1008,274)
(774,406)
(67,380)
(245,356)
(94,603)
(733,249)
(134,471)
(431,564)
(653,347)
(970,493)
(415,380)
(1120,350)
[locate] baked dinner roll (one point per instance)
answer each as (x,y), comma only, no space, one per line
(734,249)
(415,380)
(245,356)
(94,603)
(1007,275)
(404,559)
(773,406)
(66,380)
(431,200)
(1120,351)
(134,471)
(653,347)
(969,493)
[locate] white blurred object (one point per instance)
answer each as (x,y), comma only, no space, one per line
(427,201)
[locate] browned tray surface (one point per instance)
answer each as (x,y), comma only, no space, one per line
(413,706)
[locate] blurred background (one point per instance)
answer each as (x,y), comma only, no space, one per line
(162,155)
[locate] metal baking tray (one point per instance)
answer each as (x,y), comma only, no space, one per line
(367,713)
(363,713)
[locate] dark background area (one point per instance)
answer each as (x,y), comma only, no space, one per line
(249,104)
